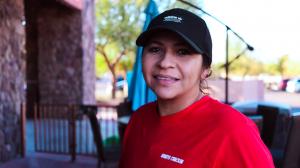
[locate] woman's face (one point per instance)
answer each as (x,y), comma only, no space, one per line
(172,69)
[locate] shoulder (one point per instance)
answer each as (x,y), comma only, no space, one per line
(243,147)
(144,112)
(227,117)
(241,142)
(138,118)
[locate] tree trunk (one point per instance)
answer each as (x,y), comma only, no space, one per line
(114,81)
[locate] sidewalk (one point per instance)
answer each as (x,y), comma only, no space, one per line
(47,160)
(41,160)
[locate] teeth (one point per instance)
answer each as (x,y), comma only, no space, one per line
(163,78)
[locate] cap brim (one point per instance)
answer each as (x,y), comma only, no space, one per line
(145,36)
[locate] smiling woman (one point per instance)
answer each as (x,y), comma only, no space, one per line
(185,127)
(166,68)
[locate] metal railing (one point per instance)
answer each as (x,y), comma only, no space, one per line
(66,129)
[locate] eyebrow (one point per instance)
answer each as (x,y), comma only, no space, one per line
(160,43)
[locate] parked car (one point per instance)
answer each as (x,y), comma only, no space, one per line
(282,85)
(104,86)
(120,83)
(293,85)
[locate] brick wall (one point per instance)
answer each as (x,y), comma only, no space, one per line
(66,54)
(12,76)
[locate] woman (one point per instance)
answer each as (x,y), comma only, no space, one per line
(185,127)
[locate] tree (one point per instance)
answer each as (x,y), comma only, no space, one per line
(118,25)
(293,69)
(246,66)
(168,4)
(271,68)
(242,65)
(282,65)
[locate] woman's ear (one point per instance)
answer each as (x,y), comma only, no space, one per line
(205,73)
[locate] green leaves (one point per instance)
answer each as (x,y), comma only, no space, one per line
(118,23)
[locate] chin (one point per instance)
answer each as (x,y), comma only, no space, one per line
(165,96)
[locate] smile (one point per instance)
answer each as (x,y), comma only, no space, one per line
(165,78)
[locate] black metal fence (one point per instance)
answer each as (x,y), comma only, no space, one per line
(66,129)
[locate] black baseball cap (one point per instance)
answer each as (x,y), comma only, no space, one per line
(187,25)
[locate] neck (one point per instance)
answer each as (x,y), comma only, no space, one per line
(171,106)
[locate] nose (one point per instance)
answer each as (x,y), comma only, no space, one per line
(166,60)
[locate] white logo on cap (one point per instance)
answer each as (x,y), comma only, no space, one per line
(173,19)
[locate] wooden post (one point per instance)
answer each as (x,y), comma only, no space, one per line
(72,133)
(35,120)
(23,130)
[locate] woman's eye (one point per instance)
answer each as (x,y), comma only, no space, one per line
(184,52)
(154,49)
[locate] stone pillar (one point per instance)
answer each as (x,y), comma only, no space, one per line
(66,54)
(88,29)
(12,76)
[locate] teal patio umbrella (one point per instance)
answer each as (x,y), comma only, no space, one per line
(139,94)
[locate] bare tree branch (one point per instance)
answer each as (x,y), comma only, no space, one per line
(117,60)
(100,49)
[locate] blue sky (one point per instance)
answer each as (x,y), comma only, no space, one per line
(272,27)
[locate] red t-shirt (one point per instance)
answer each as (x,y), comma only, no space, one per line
(207,134)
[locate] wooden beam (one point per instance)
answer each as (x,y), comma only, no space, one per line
(23,130)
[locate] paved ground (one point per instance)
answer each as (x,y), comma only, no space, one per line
(44,160)
(292,99)
(40,160)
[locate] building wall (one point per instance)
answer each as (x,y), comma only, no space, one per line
(60,54)
(12,76)
(60,60)
(88,36)
(66,54)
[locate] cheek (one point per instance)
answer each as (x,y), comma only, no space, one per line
(143,67)
(194,70)
(146,67)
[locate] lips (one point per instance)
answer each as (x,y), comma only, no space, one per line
(165,79)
